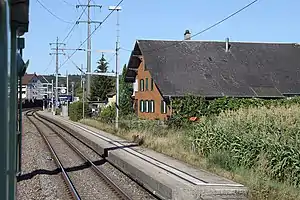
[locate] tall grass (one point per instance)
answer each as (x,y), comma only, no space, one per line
(264,139)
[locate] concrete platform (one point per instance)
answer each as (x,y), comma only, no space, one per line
(164,176)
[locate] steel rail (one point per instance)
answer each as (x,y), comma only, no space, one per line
(71,132)
(99,172)
(64,174)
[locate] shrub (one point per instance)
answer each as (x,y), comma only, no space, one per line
(193,106)
(57,111)
(108,114)
(75,110)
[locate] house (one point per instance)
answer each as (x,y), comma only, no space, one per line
(111,99)
(163,69)
(31,87)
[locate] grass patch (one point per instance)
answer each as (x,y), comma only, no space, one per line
(257,147)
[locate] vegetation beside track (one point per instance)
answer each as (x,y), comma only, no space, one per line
(258,147)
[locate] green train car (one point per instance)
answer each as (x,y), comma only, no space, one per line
(13,25)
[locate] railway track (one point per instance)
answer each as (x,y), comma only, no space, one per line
(61,148)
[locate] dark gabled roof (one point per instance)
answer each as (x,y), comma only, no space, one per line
(27,78)
(205,68)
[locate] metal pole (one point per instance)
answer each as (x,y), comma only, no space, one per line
(20,123)
(117,73)
(4,105)
(72,91)
(81,84)
(13,117)
(83,97)
(52,98)
(47,90)
(56,76)
(67,82)
(89,44)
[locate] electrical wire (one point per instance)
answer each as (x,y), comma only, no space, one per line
(125,49)
(53,13)
(206,29)
(82,8)
(92,33)
(69,4)
(49,64)
(111,58)
(83,11)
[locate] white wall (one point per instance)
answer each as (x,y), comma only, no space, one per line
(135,86)
(24,91)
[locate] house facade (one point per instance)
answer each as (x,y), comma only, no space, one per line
(149,103)
(162,69)
(32,87)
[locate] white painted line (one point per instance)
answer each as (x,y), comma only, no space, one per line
(153,161)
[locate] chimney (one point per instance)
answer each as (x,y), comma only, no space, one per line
(227,45)
(187,35)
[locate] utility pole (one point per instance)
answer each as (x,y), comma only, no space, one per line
(73,91)
(117,8)
(83,97)
(81,75)
(89,41)
(67,82)
(56,69)
(52,96)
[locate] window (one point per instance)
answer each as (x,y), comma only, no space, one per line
(146,106)
(163,107)
(146,83)
(152,84)
(152,106)
(141,106)
(23,92)
(142,85)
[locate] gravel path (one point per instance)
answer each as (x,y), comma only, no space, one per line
(39,180)
(131,188)
(86,181)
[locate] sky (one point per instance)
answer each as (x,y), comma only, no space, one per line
(264,21)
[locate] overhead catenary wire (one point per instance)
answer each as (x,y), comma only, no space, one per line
(66,2)
(82,8)
(104,20)
(125,49)
(206,29)
(49,64)
(74,25)
(54,15)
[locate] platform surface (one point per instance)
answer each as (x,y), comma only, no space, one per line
(166,177)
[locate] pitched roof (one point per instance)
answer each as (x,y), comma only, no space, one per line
(205,68)
(27,78)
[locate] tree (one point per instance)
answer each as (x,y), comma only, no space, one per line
(101,85)
(126,106)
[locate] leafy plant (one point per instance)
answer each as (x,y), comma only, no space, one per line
(108,114)
(126,104)
(76,110)
(263,139)
(194,106)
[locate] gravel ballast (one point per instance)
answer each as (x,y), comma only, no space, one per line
(131,188)
(39,179)
(87,183)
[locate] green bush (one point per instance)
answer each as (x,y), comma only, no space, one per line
(75,110)
(108,114)
(57,111)
(193,106)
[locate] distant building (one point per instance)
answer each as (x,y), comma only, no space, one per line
(111,99)
(31,87)
(162,69)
